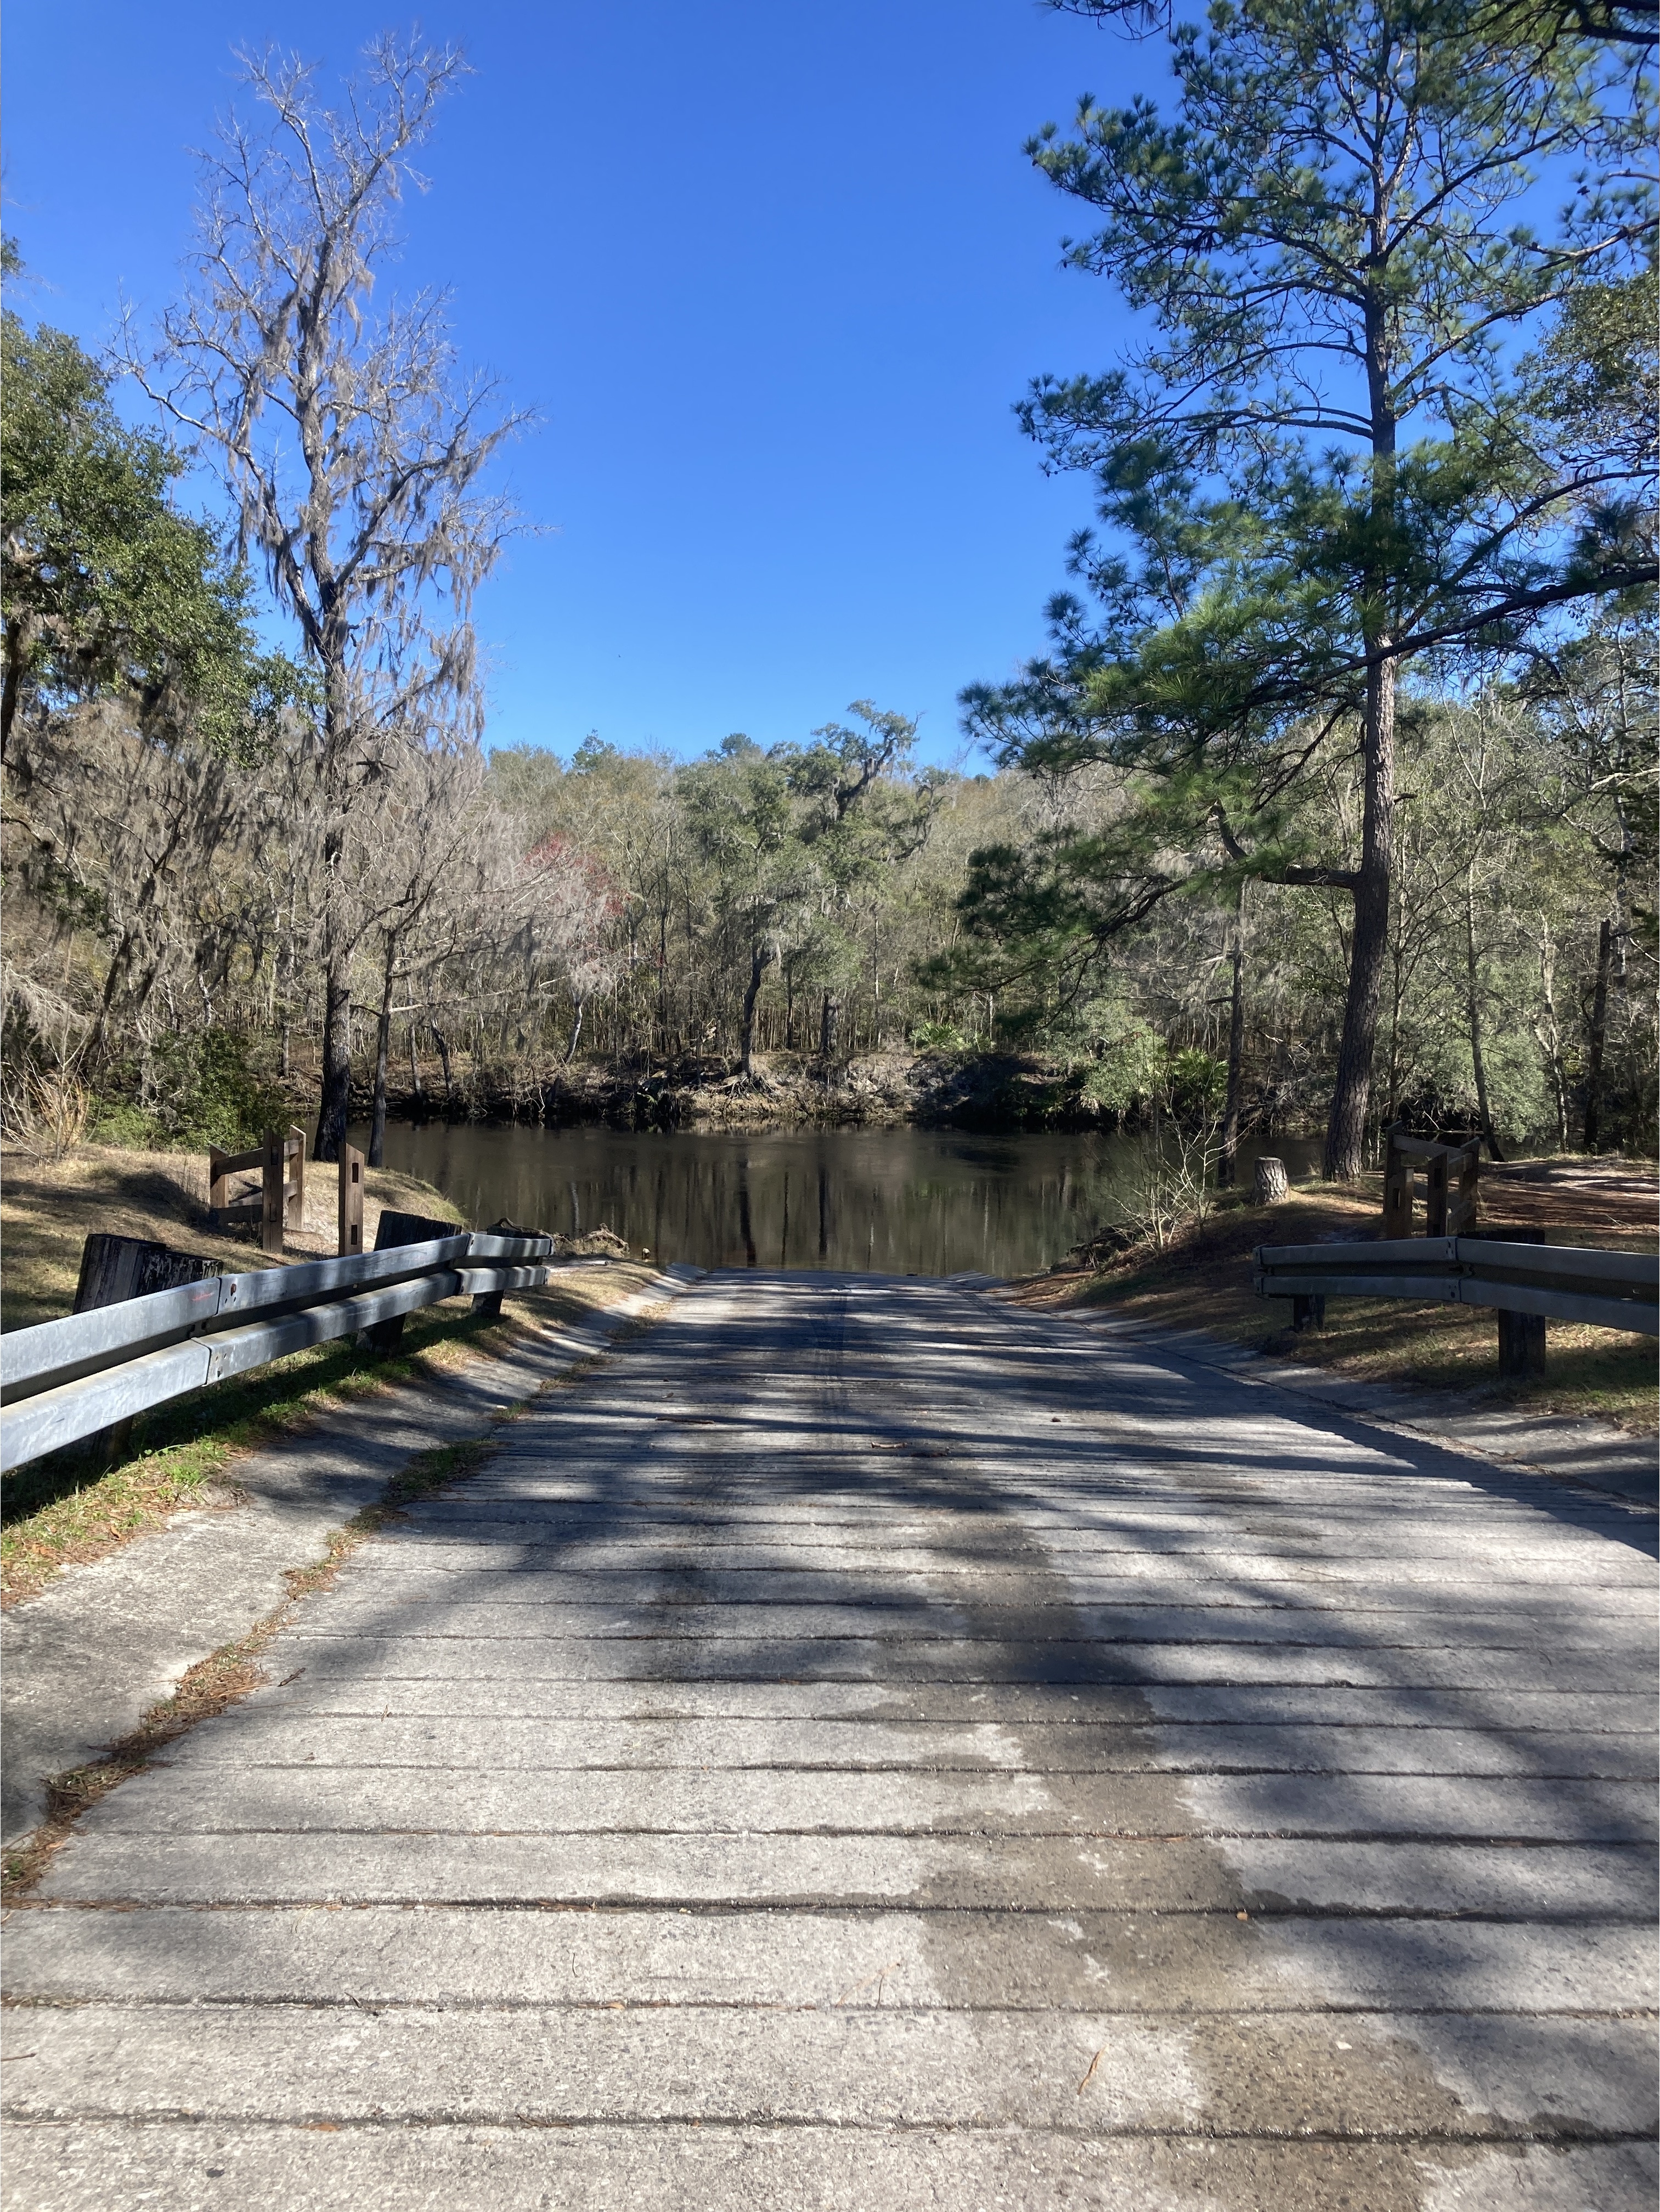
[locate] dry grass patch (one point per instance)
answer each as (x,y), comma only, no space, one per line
(49,1209)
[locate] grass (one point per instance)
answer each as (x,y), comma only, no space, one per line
(1204,1282)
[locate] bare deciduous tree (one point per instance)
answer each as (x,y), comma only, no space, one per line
(350,443)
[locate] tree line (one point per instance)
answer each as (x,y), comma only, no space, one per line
(1333,798)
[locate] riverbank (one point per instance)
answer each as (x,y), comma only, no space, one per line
(1203,1281)
(985,1092)
(49,1208)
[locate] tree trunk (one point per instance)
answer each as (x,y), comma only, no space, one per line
(576,1030)
(1596,1041)
(382,1051)
(1227,1165)
(1346,1131)
(829,1022)
(415,1066)
(759,961)
(335,1109)
(443,1045)
(1473,1009)
(20,640)
(1547,1034)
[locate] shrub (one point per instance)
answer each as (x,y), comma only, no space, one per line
(197,1090)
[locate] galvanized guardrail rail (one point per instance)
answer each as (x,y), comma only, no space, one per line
(64,1381)
(1560,1282)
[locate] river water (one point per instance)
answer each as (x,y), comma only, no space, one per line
(898,1201)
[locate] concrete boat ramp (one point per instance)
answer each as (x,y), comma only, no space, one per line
(864,1747)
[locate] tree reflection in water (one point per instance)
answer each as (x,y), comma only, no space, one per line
(896,1202)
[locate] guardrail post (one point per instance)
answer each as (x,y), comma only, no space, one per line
(1521,1346)
(351,1199)
(273,1206)
(1308,1313)
(1521,1335)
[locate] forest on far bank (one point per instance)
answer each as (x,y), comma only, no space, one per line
(1331,802)
(631,910)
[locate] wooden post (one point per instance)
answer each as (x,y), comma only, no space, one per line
(296,1216)
(273,1201)
(351,1199)
(1308,1313)
(1397,1186)
(116,1268)
(1521,1346)
(1464,1170)
(1521,1336)
(385,1336)
(1435,1194)
(218,1182)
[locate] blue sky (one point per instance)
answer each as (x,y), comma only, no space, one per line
(772,275)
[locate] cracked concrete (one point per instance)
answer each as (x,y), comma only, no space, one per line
(866,1746)
(85,1660)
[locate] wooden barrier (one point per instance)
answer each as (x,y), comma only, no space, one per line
(281,1204)
(1449,1173)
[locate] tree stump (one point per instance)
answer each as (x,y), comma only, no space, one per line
(1271,1183)
(116,1268)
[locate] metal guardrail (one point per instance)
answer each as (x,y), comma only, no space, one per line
(64,1381)
(1561,1282)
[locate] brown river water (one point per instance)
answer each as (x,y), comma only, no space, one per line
(889,1201)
